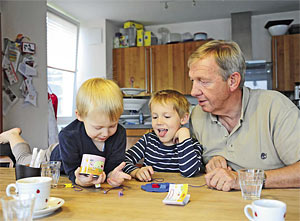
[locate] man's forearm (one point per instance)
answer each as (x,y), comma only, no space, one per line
(285,177)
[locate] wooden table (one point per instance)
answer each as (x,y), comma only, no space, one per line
(136,204)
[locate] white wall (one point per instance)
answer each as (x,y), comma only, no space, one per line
(95,50)
(92,51)
(217,29)
(221,29)
(261,39)
(29,18)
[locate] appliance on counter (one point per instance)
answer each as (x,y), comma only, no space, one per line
(258,74)
(133,114)
(134,104)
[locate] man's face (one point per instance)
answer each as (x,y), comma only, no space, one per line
(209,87)
(98,126)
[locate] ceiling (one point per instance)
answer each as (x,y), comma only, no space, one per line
(154,12)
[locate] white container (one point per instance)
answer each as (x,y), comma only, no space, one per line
(173,38)
(276,30)
(200,36)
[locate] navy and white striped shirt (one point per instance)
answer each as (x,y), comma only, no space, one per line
(185,157)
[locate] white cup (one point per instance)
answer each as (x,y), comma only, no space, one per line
(263,210)
(39,186)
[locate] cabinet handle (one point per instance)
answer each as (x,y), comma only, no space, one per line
(151,71)
(276,73)
(146,71)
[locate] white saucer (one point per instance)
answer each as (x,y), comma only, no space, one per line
(53,204)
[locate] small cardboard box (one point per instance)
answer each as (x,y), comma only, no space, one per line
(140,37)
(147,38)
(129,24)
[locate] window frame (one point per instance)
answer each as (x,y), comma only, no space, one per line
(63,121)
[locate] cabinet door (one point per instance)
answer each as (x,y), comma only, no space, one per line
(129,67)
(189,48)
(286,61)
(167,67)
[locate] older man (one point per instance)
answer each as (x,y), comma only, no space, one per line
(240,127)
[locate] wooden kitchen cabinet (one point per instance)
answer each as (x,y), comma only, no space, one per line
(155,67)
(286,62)
(189,48)
(129,64)
(167,67)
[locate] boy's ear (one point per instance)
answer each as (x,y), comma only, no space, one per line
(78,116)
(185,119)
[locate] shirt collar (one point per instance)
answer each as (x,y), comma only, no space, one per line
(245,101)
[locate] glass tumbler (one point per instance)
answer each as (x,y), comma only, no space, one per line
(19,207)
(251,181)
(51,169)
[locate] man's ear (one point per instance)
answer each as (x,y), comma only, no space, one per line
(185,119)
(234,81)
(78,116)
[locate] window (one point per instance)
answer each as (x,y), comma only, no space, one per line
(62,43)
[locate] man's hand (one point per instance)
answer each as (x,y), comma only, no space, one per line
(89,180)
(143,174)
(117,176)
(216,162)
(222,179)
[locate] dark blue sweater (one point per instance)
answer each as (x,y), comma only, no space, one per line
(74,142)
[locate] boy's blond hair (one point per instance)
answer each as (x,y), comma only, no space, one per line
(101,95)
(178,100)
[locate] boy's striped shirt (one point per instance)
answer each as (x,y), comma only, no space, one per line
(184,157)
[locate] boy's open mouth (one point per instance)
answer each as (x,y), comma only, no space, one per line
(162,132)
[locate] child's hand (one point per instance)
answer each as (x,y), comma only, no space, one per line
(182,134)
(117,176)
(144,174)
(85,181)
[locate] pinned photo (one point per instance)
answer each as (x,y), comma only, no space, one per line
(28,47)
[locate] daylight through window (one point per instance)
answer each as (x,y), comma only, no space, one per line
(62,36)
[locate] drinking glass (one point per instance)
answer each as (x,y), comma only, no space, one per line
(251,181)
(51,169)
(19,207)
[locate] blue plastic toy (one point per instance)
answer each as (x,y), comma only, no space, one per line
(156,187)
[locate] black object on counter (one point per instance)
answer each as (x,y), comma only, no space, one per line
(23,171)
